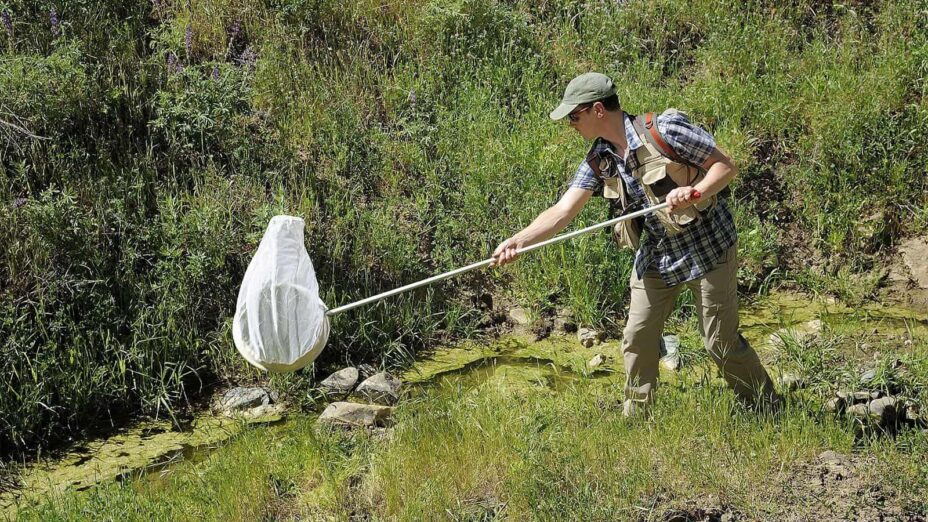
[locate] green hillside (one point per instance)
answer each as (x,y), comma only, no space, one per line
(146,144)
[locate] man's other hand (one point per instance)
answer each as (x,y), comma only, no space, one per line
(682,197)
(505,253)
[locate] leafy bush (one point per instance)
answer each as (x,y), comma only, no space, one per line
(412,137)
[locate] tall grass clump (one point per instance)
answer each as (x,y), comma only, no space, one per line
(147,143)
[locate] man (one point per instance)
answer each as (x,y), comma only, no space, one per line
(700,254)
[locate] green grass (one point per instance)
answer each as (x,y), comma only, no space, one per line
(503,451)
(412,137)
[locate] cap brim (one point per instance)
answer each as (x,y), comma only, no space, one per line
(562,110)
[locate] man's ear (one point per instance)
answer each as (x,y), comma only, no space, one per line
(599,109)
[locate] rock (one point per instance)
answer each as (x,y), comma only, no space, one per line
(671,362)
(908,342)
(868,376)
(340,382)
(876,394)
(912,413)
(520,316)
(244,398)
(353,414)
(381,388)
(596,361)
(728,517)
(588,337)
(564,321)
(915,257)
(860,411)
(854,397)
(883,410)
(264,414)
(836,405)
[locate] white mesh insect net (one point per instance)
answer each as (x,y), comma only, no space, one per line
(280,322)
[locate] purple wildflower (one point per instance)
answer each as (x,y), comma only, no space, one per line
(412,99)
(7,21)
(174,65)
(248,58)
(215,73)
(55,22)
(188,40)
(19,203)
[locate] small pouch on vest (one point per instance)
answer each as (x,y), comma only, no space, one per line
(627,233)
(612,188)
(658,184)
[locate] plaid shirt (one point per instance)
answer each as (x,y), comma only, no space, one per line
(692,253)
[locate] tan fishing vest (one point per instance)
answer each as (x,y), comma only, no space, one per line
(659,171)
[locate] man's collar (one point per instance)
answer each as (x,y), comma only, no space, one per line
(630,135)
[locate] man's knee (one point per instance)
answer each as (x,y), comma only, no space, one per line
(639,335)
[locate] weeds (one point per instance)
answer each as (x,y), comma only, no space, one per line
(412,137)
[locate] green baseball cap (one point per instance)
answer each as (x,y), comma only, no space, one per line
(586,88)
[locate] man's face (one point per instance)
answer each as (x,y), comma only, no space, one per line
(584,120)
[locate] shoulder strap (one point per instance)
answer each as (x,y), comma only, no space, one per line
(646,125)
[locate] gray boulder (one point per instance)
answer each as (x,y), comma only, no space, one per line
(859,411)
(244,398)
(563,321)
(340,382)
(381,388)
(883,410)
(836,405)
(356,415)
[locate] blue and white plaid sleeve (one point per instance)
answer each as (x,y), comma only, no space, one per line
(691,142)
(585,178)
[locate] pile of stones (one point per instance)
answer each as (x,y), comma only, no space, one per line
(380,390)
(875,407)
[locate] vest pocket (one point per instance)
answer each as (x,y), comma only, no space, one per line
(658,181)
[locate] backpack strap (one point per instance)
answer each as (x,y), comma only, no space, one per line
(646,125)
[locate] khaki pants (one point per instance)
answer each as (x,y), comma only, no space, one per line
(716,293)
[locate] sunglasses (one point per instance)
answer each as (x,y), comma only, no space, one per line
(574,117)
